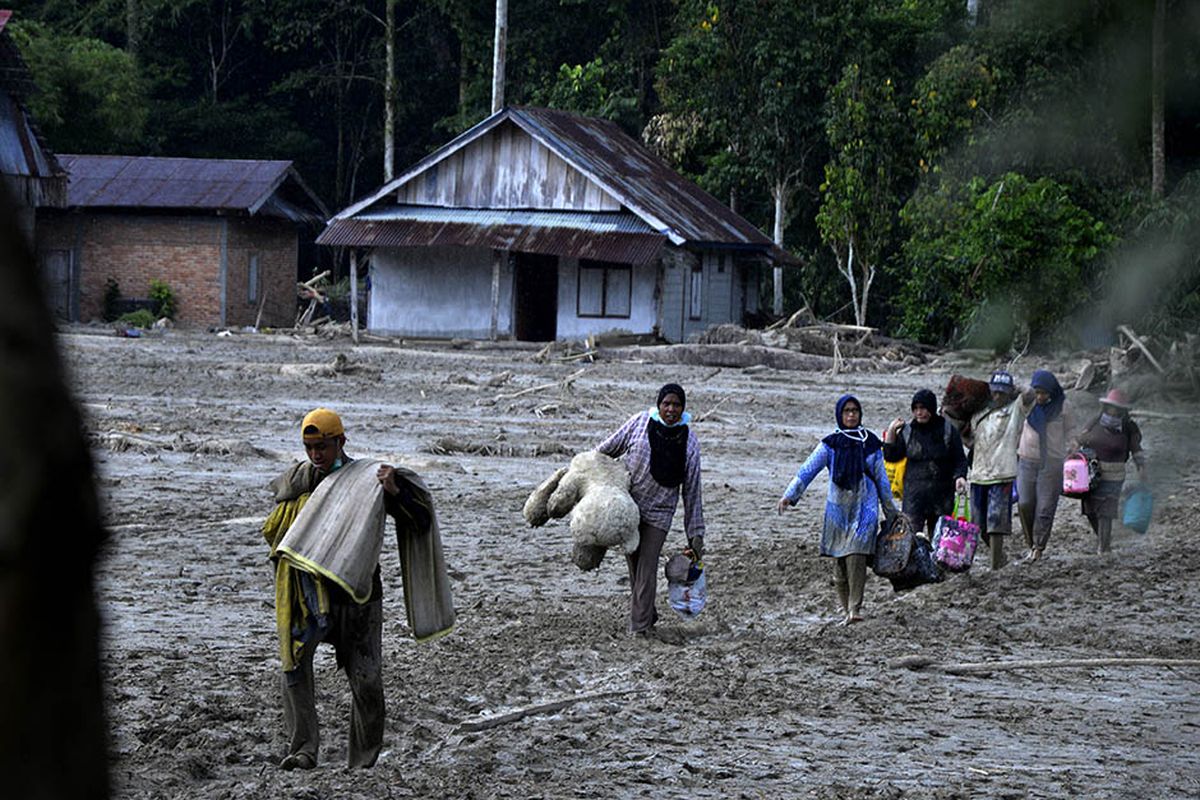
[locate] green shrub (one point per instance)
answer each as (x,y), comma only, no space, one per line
(987,260)
(164,299)
(138,319)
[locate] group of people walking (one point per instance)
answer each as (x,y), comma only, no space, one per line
(1009,452)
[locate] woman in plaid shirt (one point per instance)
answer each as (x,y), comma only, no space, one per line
(663,456)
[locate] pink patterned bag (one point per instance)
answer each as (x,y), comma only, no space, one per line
(955,538)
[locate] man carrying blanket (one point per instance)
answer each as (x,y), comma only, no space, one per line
(326,534)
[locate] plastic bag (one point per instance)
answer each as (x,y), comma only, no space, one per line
(955,538)
(893,547)
(1139,505)
(687,593)
(895,475)
(920,569)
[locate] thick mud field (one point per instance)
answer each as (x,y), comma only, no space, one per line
(763,696)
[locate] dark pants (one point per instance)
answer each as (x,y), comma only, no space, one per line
(643,577)
(991,510)
(1039,485)
(356,633)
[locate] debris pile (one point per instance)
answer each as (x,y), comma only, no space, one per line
(1141,365)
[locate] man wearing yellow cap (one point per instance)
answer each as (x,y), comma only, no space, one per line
(326,612)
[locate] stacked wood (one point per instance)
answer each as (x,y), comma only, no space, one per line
(310,290)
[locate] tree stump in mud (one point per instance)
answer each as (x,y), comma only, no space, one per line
(52,727)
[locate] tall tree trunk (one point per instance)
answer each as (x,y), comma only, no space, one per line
(780,193)
(133,27)
(389,94)
(501,43)
(1158,154)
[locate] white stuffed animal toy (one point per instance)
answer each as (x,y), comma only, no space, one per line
(594,490)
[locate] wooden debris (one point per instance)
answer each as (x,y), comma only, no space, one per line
(449,445)
(1140,346)
(488,721)
(920,662)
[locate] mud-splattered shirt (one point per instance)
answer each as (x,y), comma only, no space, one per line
(657,503)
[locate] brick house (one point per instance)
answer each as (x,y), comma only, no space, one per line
(225,235)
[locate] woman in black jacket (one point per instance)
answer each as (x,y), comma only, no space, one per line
(937,464)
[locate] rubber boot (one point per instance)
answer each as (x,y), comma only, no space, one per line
(1105,535)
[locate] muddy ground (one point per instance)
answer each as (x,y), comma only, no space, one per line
(765,697)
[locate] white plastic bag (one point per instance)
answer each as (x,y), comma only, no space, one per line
(688,597)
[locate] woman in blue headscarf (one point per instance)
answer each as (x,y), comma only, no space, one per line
(1040,454)
(858,486)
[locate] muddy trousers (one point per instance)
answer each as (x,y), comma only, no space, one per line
(849,578)
(1102,527)
(1039,485)
(356,633)
(643,577)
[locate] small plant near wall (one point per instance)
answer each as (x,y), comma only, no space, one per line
(141,318)
(164,299)
(112,299)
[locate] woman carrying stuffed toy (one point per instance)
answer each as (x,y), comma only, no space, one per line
(663,456)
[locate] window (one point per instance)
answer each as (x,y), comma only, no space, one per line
(605,289)
(252,280)
(696,307)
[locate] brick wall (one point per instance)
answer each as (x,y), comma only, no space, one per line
(185,252)
(276,246)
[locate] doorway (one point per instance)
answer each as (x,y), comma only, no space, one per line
(535,297)
(56,277)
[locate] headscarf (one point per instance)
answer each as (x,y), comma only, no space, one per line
(1040,415)
(933,447)
(850,446)
(668,443)
(671,388)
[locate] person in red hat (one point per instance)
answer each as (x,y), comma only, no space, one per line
(1115,438)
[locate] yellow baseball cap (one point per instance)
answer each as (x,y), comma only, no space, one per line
(321,423)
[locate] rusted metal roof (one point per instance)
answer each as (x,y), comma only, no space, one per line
(27,165)
(209,184)
(604,236)
(669,203)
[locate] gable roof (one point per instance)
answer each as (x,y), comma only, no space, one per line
(624,169)
(27,165)
(208,184)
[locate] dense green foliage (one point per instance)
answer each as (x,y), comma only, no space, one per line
(163,297)
(885,125)
(986,258)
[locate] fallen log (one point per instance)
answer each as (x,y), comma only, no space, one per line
(1140,345)
(487,721)
(735,355)
(919,663)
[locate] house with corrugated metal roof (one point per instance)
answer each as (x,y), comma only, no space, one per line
(224,234)
(30,175)
(538,225)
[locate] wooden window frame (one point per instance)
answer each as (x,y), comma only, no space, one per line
(253,279)
(696,299)
(607,267)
